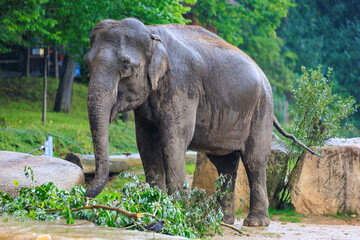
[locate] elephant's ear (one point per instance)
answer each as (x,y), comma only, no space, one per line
(159,63)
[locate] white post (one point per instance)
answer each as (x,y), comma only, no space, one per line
(48,146)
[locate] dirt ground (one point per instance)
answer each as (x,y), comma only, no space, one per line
(314,227)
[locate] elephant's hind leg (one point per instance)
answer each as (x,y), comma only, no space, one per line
(227,165)
(257,149)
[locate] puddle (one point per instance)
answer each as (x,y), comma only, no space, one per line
(59,230)
(294,231)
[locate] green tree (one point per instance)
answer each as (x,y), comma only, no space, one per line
(68,23)
(251,25)
(76,19)
(327,32)
(22,21)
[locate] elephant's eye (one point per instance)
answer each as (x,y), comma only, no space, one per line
(126,66)
(126,70)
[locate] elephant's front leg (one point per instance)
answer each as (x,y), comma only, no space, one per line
(174,150)
(176,137)
(148,142)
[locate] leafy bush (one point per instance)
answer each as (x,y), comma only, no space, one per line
(318,115)
(188,213)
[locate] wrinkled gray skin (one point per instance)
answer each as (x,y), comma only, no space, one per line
(189,89)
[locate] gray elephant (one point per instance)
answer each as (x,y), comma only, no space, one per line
(189,89)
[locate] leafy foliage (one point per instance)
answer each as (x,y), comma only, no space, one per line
(251,25)
(22,20)
(318,114)
(326,32)
(188,213)
(236,21)
(68,23)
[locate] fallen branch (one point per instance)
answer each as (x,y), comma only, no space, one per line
(232,227)
(158,203)
(151,215)
(118,210)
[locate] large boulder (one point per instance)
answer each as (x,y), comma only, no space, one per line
(206,174)
(63,174)
(331,184)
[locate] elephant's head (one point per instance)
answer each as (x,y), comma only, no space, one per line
(126,64)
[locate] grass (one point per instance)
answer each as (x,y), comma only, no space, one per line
(290,219)
(271,235)
(119,183)
(285,215)
(21,128)
(344,216)
(190,168)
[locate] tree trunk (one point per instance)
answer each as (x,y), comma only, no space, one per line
(56,64)
(64,92)
(28,62)
(45,85)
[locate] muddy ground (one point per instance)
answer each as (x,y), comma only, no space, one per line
(314,227)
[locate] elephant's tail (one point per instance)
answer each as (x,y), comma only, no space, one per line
(287,135)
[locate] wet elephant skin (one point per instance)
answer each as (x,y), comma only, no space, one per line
(189,89)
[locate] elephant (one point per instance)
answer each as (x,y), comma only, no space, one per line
(189,89)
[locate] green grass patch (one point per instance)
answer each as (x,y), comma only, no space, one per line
(343,216)
(190,168)
(118,184)
(290,219)
(285,214)
(271,235)
(239,212)
(21,128)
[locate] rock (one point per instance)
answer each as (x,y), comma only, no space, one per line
(75,159)
(328,185)
(276,169)
(342,142)
(191,156)
(63,174)
(118,163)
(206,174)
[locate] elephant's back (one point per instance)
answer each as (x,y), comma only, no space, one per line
(200,38)
(222,70)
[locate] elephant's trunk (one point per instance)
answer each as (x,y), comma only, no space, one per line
(100,103)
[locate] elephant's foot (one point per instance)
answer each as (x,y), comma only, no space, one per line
(229,218)
(257,220)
